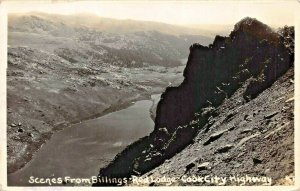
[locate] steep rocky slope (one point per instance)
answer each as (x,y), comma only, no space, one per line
(237,68)
(254,139)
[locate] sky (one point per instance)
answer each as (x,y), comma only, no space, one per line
(276,13)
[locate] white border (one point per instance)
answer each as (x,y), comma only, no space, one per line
(3,149)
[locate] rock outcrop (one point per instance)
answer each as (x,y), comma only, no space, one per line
(253,56)
(253,51)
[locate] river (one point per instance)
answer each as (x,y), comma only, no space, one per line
(80,150)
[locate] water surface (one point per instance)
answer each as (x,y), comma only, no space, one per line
(80,150)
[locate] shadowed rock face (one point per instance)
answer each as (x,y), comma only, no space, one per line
(253,56)
(253,51)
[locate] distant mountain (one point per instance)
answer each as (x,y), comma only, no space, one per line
(88,38)
(109,25)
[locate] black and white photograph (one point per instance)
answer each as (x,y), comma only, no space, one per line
(191,94)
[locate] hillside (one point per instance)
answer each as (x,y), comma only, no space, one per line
(214,121)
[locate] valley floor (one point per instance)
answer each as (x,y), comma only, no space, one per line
(45,94)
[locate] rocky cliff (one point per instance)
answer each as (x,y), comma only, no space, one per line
(252,58)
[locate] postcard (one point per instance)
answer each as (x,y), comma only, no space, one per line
(140,94)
